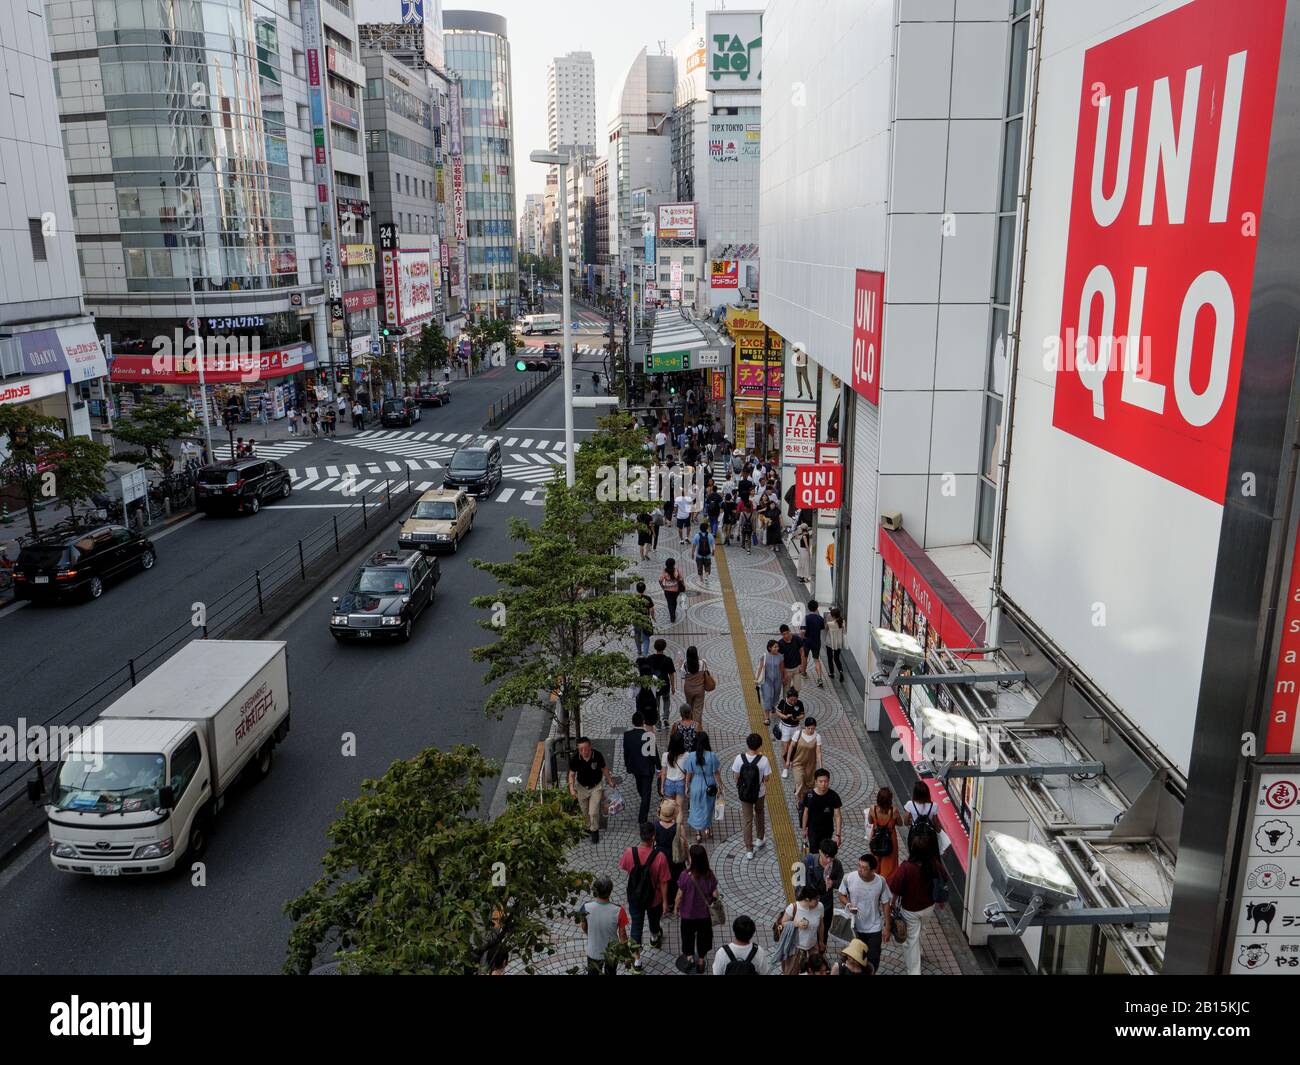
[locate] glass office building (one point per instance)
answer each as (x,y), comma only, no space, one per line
(479,52)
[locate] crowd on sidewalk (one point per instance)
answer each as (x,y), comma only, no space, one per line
(887,893)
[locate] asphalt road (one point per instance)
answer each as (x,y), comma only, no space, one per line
(393,700)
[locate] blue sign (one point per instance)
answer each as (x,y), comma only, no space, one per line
(413,12)
(374,347)
(650,247)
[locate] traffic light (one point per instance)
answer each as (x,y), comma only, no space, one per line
(527,363)
(394,331)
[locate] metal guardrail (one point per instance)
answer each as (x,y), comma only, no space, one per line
(501,409)
(246,600)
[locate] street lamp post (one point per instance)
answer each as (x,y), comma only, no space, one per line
(562,161)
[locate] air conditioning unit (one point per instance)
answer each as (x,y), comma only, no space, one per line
(891,520)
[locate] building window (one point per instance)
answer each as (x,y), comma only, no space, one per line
(38,240)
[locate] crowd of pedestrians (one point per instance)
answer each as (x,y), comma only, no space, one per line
(889,890)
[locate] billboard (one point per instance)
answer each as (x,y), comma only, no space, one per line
(415,286)
(733,141)
(734,50)
(677,221)
(1138,271)
(724,273)
(868,308)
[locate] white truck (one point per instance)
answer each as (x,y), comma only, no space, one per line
(137,792)
(541,323)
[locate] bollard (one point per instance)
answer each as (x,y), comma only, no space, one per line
(388,494)
(257,575)
(302,565)
(336,534)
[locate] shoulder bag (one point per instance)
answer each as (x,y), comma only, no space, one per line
(710,684)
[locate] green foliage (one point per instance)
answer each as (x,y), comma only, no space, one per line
(431,351)
(486,332)
(619,439)
(151,430)
(416,883)
(74,465)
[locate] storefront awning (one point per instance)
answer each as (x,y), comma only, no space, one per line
(218,367)
(74,349)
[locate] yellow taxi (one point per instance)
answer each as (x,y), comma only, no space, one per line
(438,521)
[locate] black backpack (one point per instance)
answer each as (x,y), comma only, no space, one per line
(922,825)
(741,966)
(749,781)
(882,841)
(704,550)
(640,886)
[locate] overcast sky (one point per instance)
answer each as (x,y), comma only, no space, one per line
(613,32)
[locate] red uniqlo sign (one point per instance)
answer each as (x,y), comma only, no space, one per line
(868,306)
(818,486)
(1174,121)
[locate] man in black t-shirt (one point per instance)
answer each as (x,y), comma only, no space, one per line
(588,775)
(820,816)
(662,666)
(794,658)
(813,624)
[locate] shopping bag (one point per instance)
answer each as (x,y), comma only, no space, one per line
(615,799)
(719,810)
(717,912)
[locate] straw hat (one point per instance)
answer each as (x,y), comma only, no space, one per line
(668,810)
(857,950)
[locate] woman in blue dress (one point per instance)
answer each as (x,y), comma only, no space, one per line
(703,776)
(769,680)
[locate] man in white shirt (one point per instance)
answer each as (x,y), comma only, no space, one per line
(741,950)
(661,443)
(869,900)
(684,503)
(752,805)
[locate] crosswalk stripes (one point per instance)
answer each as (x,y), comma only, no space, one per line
(268,449)
(437,448)
(352,481)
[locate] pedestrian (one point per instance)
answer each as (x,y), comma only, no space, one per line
(868,899)
(672,775)
(670,580)
(358,416)
(239,448)
(647,873)
(670,839)
(813,626)
(588,775)
(329,421)
(686,727)
(293,421)
(729,511)
(315,420)
(854,960)
(921,810)
(822,816)
(751,770)
(603,922)
(644,534)
(803,553)
(789,718)
(882,824)
(835,641)
(341,409)
(703,542)
(805,758)
(772,515)
(641,760)
(822,869)
(742,956)
(661,444)
(683,504)
(642,632)
(696,682)
(745,510)
(771,671)
(794,658)
(659,521)
(713,507)
(645,694)
(918,885)
(805,914)
(663,667)
(830,558)
(697,887)
(703,785)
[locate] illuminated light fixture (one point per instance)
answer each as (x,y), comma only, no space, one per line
(1023,871)
(948,737)
(894,646)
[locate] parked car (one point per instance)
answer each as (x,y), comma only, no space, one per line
(241,486)
(385,597)
(80,563)
(475,467)
(399,412)
(440,519)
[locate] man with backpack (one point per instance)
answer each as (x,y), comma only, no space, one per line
(752,770)
(823,871)
(703,542)
(742,956)
(713,508)
(647,874)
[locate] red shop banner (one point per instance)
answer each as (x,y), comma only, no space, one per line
(359,300)
(219,368)
(868,308)
(819,486)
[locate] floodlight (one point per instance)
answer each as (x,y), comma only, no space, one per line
(945,736)
(1023,872)
(897,647)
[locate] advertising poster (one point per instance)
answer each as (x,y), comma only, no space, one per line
(1268,920)
(734,50)
(868,305)
(415,302)
(799,432)
(677,221)
(724,273)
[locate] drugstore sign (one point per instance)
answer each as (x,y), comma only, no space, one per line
(1174,120)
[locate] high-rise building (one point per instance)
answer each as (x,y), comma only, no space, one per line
(530,224)
(600,205)
(50,355)
(478,50)
(571,103)
(198,182)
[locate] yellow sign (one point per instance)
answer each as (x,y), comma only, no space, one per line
(358,254)
(742,318)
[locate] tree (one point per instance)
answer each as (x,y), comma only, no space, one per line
(415,882)
(152,429)
(48,464)
(557,609)
(433,350)
(484,333)
(615,470)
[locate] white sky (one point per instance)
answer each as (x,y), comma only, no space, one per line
(612,31)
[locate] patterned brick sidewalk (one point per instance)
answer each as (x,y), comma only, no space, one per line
(764,599)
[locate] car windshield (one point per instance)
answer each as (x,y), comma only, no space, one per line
(381,582)
(394,404)
(218,476)
(43,556)
(435,510)
(471,462)
(109,783)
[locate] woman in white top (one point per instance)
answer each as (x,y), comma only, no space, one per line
(803,558)
(810,939)
(921,805)
(672,774)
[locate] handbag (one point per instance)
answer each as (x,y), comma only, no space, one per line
(898,926)
(710,684)
(717,912)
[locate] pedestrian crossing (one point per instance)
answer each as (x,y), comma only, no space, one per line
(263,449)
(425,446)
(578,349)
(353,480)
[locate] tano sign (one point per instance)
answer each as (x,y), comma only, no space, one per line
(819,486)
(1169,165)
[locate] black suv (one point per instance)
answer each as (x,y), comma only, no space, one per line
(241,486)
(403,412)
(80,563)
(475,467)
(386,596)
(552,351)
(435,395)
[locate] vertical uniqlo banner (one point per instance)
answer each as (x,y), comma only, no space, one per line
(868,308)
(1283,737)
(1174,124)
